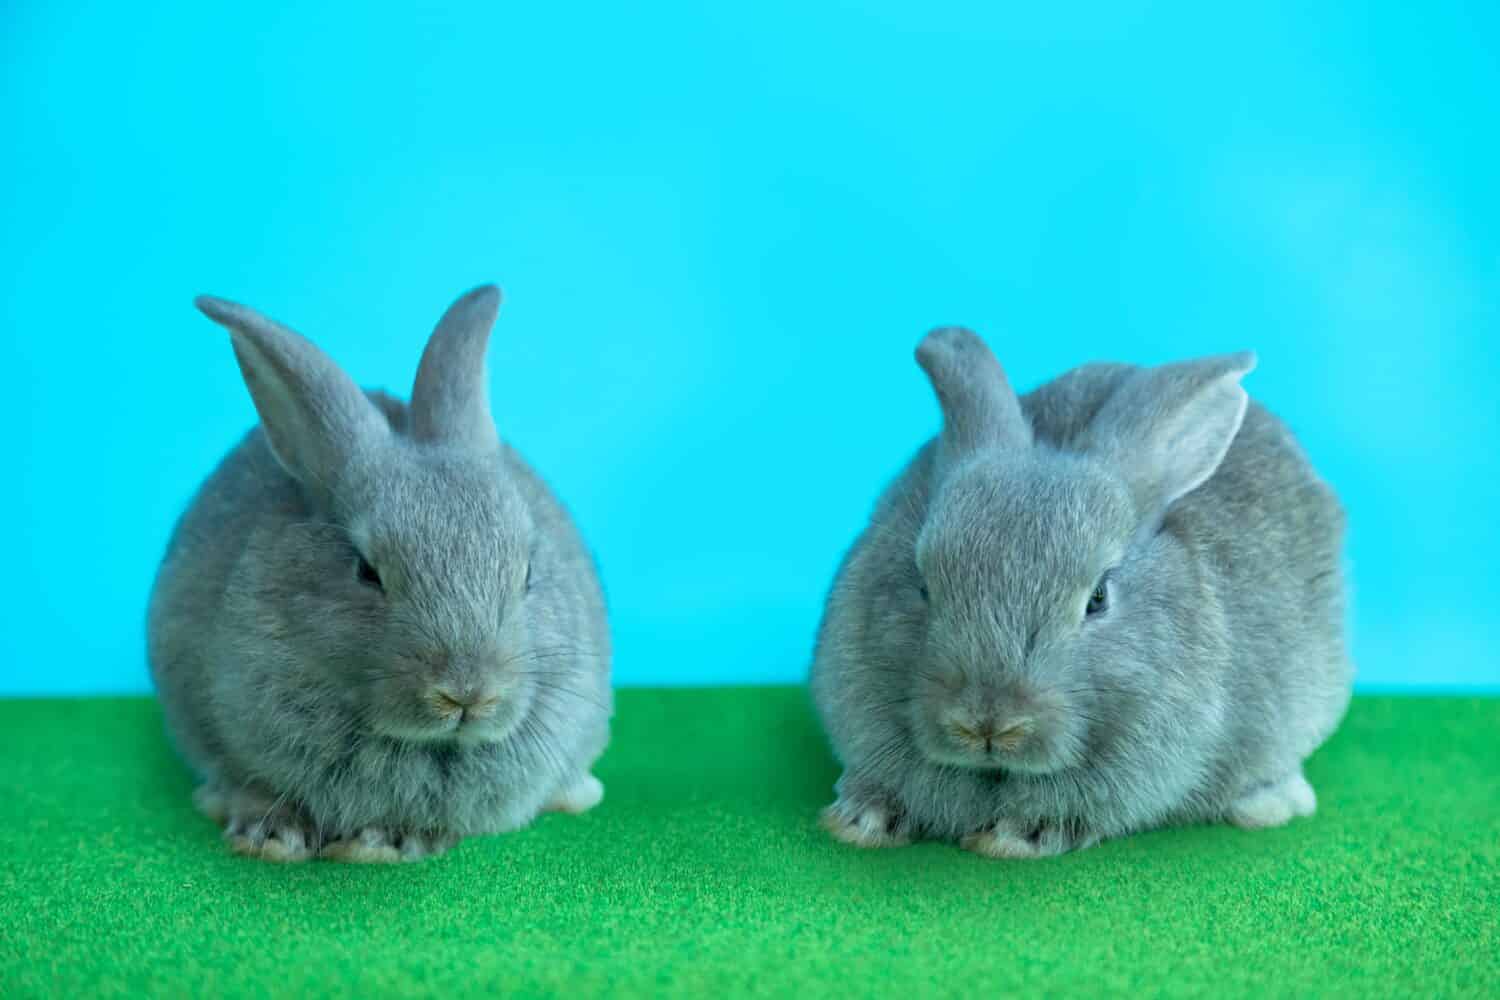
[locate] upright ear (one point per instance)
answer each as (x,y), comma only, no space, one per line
(314,416)
(980,410)
(1166,429)
(450,402)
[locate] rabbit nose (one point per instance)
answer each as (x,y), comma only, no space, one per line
(1003,734)
(1009,734)
(1013,732)
(468,701)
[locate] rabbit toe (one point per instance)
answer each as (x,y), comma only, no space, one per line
(416,846)
(281,844)
(374,845)
(269,838)
(258,827)
(369,846)
(1040,839)
(866,824)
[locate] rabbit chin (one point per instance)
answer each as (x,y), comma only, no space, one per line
(471,733)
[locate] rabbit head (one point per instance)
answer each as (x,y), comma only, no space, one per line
(1034,565)
(407,588)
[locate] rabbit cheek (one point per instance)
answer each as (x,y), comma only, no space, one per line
(402,703)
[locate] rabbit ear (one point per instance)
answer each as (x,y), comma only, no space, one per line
(314,416)
(980,410)
(1167,428)
(450,401)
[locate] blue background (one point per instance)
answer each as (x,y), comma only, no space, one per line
(721,232)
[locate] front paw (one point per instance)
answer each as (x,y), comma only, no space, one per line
(867,820)
(1008,838)
(376,846)
(257,825)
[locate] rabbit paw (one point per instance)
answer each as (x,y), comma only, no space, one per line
(866,820)
(258,826)
(1274,804)
(374,845)
(580,796)
(1039,839)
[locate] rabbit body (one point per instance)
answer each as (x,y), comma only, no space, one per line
(376,630)
(1113,604)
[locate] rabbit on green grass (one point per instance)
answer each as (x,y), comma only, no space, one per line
(376,630)
(1112,604)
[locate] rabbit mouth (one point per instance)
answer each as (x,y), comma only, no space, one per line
(447,714)
(997,752)
(974,762)
(465,732)
(478,731)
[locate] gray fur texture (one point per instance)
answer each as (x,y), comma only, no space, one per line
(1112,604)
(375,630)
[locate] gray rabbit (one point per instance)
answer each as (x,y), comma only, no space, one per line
(375,630)
(1113,604)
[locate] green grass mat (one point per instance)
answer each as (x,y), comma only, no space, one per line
(704,873)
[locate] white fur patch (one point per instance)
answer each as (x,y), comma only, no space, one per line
(579,797)
(1274,805)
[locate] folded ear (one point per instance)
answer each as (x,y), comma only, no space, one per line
(980,410)
(314,416)
(1166,429)
(450,401)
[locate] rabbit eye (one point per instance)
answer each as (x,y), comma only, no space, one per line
(366,574)
(1098,600)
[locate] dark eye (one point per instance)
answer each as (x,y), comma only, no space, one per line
(528,578)
(926,594)
(366,574)
(1098,600)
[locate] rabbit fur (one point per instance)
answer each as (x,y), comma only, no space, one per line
(376,630)
(1112,604)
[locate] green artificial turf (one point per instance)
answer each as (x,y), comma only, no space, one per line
(704,873)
